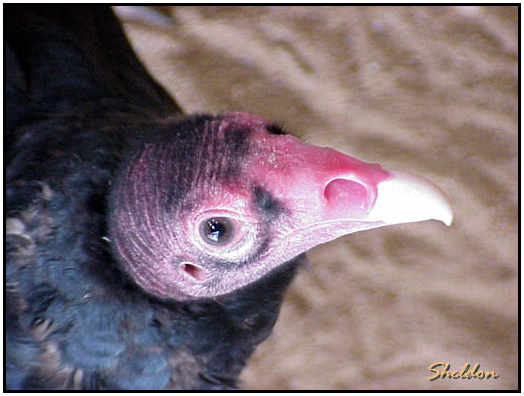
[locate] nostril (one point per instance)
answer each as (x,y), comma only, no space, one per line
(347,197)
(193,271)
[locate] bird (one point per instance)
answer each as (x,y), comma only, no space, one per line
(147,248)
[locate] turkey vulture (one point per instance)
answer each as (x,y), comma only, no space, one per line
(148,249)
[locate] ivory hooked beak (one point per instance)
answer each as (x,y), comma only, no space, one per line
(405,198)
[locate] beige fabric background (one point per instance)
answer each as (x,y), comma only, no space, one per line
(431,90)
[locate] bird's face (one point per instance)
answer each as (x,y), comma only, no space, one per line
(220,205)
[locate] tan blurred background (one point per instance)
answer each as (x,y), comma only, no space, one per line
(430,90)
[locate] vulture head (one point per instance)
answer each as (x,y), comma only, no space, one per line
(211,204)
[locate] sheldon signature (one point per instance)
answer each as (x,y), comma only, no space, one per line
(442,370)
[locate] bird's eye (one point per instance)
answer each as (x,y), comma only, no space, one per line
(217,230)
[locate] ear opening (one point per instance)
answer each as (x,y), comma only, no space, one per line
(193,271)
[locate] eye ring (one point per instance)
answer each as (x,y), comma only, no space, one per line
(217,231)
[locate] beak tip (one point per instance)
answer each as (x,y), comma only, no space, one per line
(439,202)
(446,216)
(407,198)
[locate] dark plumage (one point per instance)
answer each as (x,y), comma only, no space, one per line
(145,249)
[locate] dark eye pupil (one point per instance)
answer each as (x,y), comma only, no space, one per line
(217,230)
